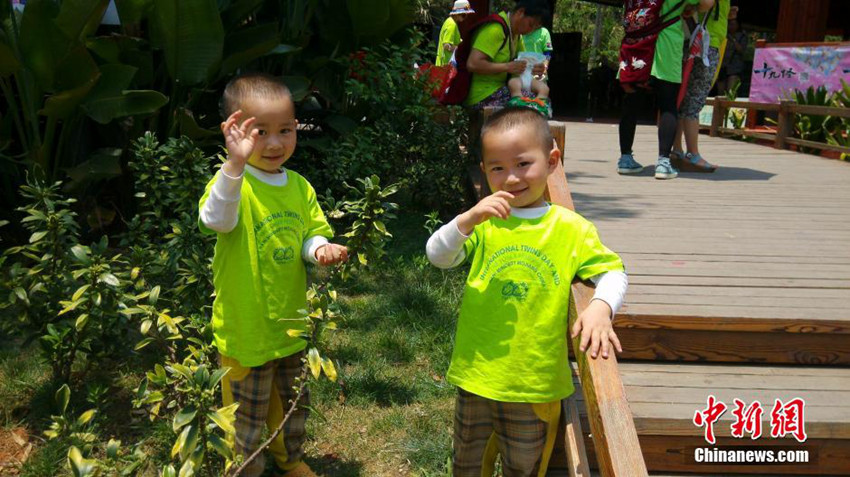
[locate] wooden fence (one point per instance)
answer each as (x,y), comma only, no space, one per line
(785,122)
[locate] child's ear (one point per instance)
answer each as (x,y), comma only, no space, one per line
(554,156)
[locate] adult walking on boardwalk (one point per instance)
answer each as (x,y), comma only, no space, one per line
(450,32)
(698,86)
(494,52)
(664,78)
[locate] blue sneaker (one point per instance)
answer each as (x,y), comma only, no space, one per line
(663,169)
(628,165)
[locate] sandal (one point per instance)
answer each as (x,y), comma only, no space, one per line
(694,160)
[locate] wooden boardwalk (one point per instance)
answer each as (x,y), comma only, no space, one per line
(727,266)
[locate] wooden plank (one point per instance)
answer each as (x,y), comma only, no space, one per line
(723,311)
(577,463)
(748,133)
(818,145)
(773,282)
(818,110)
(611,422)
(743,104)
(670,344)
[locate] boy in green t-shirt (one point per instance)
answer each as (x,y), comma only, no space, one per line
(510,355)
(268,222)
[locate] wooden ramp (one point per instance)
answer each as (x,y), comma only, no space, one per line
(748,264)
(739,288)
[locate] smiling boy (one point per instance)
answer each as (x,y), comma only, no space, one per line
(509,360)
(268,222)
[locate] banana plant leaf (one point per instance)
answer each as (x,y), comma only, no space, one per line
(192,38)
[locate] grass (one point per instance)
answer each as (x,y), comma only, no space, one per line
(392,410)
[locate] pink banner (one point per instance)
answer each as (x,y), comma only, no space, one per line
(777,72)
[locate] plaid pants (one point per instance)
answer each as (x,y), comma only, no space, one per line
(264,394)
(524,434)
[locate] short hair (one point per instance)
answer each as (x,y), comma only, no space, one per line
(251,85)
(513,117)
(534,8)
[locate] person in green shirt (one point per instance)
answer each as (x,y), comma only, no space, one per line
(666,78)
(510,360)
(493,55)
(450,32)
(267,222)
(699,84)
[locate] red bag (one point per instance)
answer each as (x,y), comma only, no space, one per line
(438,78)
(642,22)
(458,86)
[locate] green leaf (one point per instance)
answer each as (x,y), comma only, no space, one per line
(314,361)
(86,417)
(81,322)
(341,124)
(217,376)
(133,11)
(192,38)
(248,44)
(81,252)
(329,369)
(112,448)
(187,470)
(79,292)
(127,103)
(62,398)
(362,258)
(190,441)
(220,446)
(21,294)
(80,467)
(143,343)
(78,18)
(224,417)
(9,63)
(109,279)
(37,236)
(299,86)
(381,227)
(154,295)
(168,471)
(146,326)
(183,417)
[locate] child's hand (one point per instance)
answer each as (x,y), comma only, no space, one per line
(331,253)
(594,324)
(241,141)
(495,205)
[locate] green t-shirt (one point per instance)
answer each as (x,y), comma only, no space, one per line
(717,23)
(538,41)
(487,40)
(667,63)
(258,273)
(450,33)
(511,340)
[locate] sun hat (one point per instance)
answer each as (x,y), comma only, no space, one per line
(460,7)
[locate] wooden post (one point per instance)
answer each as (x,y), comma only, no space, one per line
(784,125)
(718,117)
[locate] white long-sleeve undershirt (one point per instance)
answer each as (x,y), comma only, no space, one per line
(221,209)
(445,250)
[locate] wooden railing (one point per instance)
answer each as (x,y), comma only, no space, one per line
(785,121)
(612,426)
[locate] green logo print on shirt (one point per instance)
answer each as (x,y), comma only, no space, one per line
(520,268)
(283,254)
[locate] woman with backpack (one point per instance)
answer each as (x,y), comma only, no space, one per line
(651,58)
(495,46)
